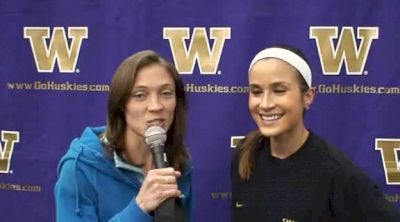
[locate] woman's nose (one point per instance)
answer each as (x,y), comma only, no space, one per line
(155,103)
(266,101)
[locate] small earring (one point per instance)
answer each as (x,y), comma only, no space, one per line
(307,107)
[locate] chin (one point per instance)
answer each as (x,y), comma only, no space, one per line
(268,132)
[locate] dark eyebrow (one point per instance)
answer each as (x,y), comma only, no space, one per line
(161,86)
(167,85)
(254,86)
(139,87)
(277,84)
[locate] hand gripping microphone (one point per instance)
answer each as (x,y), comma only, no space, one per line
(155,137)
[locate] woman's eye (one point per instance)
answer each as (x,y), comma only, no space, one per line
(138,95)
(255,92)
(167,93)
(279,90)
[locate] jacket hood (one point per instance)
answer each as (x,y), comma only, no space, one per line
(88,149)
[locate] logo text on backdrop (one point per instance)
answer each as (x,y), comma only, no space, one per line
(389,153)
(346,50)
(199,48)
(8,140)
(46,53)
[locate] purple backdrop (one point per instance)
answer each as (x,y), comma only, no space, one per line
(58,57)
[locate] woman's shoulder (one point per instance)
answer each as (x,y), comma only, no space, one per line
(333,159)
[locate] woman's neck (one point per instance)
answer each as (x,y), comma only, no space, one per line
(285,145)
(136,151)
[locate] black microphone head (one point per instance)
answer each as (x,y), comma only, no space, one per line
(155,136)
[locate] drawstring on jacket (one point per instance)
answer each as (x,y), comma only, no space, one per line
(77,205)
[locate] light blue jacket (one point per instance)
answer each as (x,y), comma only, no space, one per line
(91,188)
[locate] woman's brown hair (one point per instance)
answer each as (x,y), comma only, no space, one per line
(120,91)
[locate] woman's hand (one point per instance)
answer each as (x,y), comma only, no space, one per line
(158,185)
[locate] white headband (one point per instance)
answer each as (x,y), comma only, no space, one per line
(288,56)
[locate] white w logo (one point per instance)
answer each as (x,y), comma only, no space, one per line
(199,48)
(346,49)
(58,49)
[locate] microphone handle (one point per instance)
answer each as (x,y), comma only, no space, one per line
(166,211)
(159,157)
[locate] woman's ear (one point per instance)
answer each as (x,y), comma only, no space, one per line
(309,98)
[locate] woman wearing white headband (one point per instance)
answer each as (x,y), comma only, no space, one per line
(284,172)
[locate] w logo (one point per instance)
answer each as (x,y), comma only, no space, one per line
(199,48)
(391,164)
(58,48)
(9,138)
(346,49)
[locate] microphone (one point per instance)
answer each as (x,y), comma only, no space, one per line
(155,137)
